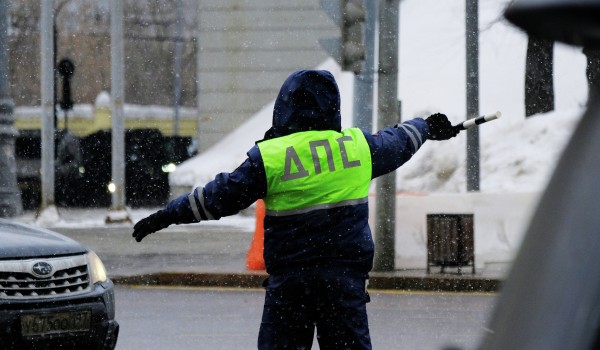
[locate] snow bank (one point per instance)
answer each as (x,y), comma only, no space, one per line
(515,156)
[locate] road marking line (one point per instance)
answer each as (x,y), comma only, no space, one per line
(222,289)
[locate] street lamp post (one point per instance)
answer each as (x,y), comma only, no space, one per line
(117,212)
(10,196)
(385,221)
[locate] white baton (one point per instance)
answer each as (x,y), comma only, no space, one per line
(469,123)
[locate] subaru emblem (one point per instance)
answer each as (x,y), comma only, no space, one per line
(41,269)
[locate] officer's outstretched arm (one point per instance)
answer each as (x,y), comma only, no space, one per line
(226,195)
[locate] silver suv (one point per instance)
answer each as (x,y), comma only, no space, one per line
(54,292)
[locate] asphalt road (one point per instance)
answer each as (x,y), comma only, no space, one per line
(228,319)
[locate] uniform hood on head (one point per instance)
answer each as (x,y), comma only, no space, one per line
(308,100)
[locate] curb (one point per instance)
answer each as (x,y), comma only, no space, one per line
(231,280)
(377,281)
(442,283)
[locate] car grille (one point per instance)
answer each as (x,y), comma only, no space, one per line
(69,276)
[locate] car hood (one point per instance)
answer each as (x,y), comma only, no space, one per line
(23,241)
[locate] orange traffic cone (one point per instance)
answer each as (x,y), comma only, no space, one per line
(255,259)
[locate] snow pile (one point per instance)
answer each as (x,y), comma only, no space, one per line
(514,157)
(48,217)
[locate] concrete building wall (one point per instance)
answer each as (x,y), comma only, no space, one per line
(246,50)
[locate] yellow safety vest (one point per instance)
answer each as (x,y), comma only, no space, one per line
(313,170)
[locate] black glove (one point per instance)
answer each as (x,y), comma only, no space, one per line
(440,127)
(150,224)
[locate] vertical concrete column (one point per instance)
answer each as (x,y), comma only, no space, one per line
(385,222)
(10,196)
(47,102)
(117,99)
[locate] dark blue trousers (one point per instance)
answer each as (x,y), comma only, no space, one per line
(333,304)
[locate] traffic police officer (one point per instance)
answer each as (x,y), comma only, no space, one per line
(314,178)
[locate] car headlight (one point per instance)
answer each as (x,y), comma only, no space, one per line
(96,268)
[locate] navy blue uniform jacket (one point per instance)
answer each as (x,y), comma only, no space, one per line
(338,239)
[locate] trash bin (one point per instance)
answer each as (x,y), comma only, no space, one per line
(450,241)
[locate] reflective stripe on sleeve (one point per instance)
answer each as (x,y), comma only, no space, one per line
(194,206)
(415,132)
(411,136)
(200,213)
(201,198)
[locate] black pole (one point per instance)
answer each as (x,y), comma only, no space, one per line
(472,35)
(55,36)
(385,220)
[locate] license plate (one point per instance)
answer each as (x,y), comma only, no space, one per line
(55,323)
